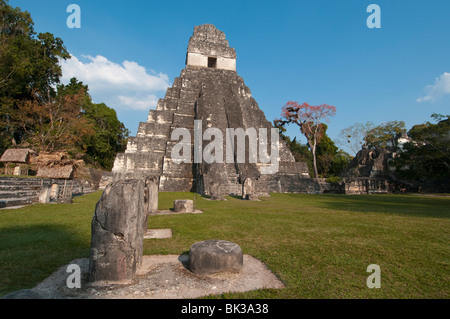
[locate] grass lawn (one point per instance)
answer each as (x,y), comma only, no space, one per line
(318,245)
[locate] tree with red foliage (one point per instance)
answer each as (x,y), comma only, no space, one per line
(310,120)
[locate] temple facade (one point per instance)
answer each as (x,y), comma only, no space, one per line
(208,94)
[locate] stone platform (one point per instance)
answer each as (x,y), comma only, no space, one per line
(160,277)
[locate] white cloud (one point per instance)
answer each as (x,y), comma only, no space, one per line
(122,86)
(440,88)
(139,103)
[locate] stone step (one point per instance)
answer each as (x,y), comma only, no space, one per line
(172,93)
(153,128)
(160,116)
(17,194)
(146,144)
(174,184)
(16,202)
(167,104)
(14,187)
(26,181)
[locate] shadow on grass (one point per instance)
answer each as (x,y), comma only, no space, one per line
(391,204)
(29,254)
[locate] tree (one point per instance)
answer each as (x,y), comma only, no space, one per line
(330,159)
(36,110)
(300,151)
(354,136)
(309,118)
(109,134)
(28,64)
(380,135)
(109,138)
(53,125)
(325,152)
(427,156)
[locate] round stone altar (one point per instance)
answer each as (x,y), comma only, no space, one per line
(213,256)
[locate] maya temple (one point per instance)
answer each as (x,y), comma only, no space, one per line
(210,92)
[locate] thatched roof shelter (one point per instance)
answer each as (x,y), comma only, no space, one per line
(19,155)
(56,171)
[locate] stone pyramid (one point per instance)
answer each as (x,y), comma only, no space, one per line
(208,90)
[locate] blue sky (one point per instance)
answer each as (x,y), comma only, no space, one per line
(313,51)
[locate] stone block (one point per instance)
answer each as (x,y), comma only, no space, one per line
(215,192)
(152,188)
(214,256)
(251,197)
(54,189)
(183,206)
(44,195)
(247,187)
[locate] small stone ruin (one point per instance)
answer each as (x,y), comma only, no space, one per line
(183,206)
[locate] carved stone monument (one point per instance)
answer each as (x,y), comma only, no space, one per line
(248,191)
(117,232)
(215,191)
(152,189)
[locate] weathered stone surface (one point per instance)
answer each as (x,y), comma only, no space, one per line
(369,172)
(251,197)
(23,294)
(18,191)
(366,185)
(183,206)
(152,190)
(248,190)
(158,233)
(117,232)
(369,163)
(215,192)
(54,189)
(44,195)
(213,256)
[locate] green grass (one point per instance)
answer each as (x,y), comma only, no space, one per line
(318,245)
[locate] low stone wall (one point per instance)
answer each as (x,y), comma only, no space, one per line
(16,191)
(366,185)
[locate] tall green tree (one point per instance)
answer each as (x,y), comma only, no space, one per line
(109,134)
(310,119)
(427,156)
(331,160)
(109,138)
(28,67)
(55,124)
(379,136)
(300,151)
(36,109)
